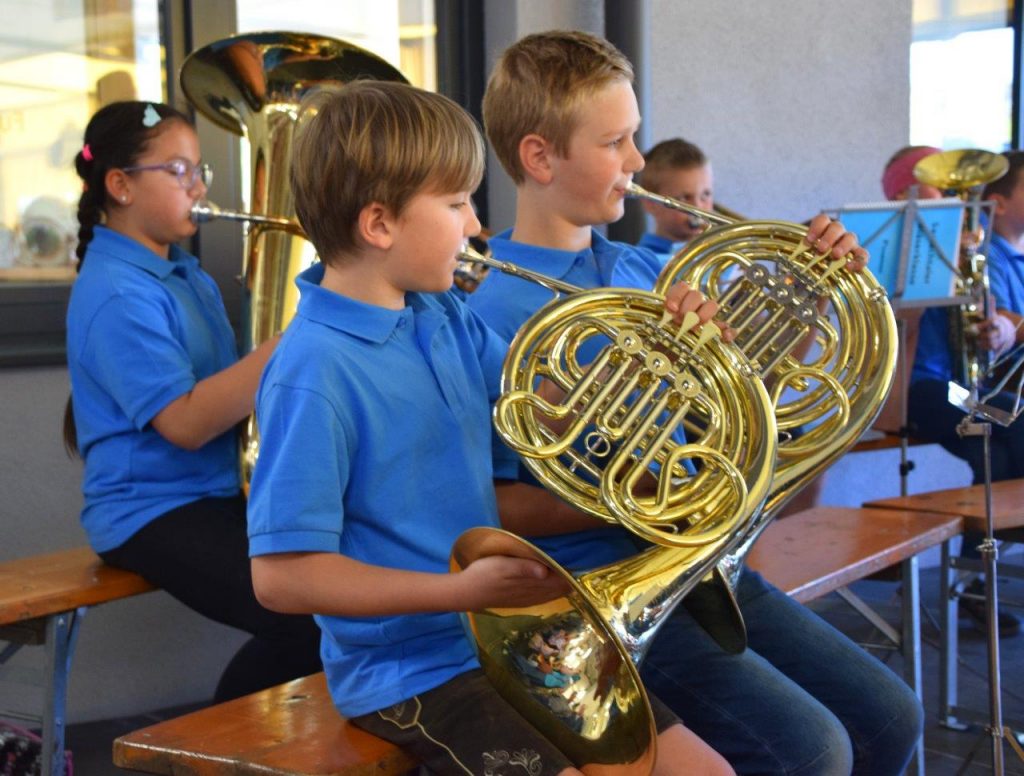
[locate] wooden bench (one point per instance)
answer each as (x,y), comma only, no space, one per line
(294,729)
(289,729)
(824,549)
(42,602)
(1008,525)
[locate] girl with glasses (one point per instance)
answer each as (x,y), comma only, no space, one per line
(157,389)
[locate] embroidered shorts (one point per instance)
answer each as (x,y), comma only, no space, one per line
(465,727)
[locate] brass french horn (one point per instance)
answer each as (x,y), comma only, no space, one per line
(630,377)
(828,372)
(252,85)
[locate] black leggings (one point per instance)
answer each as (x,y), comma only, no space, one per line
(199,554)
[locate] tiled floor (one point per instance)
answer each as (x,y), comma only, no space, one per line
(945,749)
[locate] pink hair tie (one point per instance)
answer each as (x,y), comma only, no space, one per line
(87,153)
(899,176)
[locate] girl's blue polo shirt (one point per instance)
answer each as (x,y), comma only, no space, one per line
(505,302)
(141,332)
(932,359)
(376,443)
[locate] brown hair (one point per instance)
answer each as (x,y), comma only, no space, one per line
(667,156)
(538,86)
(1005,185)
(376,141)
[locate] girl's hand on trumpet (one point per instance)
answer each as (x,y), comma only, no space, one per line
(826,235)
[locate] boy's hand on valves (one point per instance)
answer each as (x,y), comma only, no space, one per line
(682,299)
(828,236)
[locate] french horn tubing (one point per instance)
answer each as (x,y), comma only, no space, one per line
(829,372)
(630,377)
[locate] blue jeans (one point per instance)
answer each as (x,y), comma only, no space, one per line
(802,698)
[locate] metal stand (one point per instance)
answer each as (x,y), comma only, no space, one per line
(996,731)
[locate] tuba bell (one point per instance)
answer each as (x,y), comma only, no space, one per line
(828,374)
(629,376)
(252,85)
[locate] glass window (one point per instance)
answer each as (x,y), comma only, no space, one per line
(58,64)
(961,74)
(403,32)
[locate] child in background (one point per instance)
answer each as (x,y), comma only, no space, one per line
(930,416)
(157,389)
(377,443)
(678,169)
(561,115)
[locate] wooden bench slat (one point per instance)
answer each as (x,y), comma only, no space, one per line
(289,729)
(968,502)
(848,544)
(61,581)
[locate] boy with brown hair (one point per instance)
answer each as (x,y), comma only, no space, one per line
(678,169)
(376,442)
(561,114)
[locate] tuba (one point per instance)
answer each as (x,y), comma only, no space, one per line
(963,174)
(828,374)
(252,85)
(629,376)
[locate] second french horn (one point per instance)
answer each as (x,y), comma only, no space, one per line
(630,376)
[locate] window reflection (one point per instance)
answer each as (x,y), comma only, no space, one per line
(59,63)
(961,74)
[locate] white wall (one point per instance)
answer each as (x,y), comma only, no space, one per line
(798,103)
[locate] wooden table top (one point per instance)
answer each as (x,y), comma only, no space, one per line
(821,549)
(59,582)
(969,502)
(289,729)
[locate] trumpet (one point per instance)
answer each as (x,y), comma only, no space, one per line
(616,423)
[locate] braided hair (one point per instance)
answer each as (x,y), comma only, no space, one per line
(117,135)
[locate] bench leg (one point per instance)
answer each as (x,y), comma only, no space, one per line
(910,644)
(61,634)
(948,642)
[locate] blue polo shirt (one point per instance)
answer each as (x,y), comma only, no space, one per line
(505,302)
(933,359)
(141,332)
(663,247)
(376,443)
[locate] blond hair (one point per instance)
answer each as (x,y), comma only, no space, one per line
(538,86)
(668,156)
(376,141)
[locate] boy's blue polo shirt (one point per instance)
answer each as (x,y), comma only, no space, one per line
(663,247)
(505,302)
(933,357)
(141,332)
(376,443)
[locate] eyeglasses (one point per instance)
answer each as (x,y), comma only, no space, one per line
(186,172)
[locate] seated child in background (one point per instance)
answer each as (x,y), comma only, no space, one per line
(158,390)
(930,416)
(377,442)
(678,169)
(561,115)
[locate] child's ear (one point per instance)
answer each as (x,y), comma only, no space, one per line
(375,226)
(651,208)
(1000,201)
(118,186)
(535,157)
